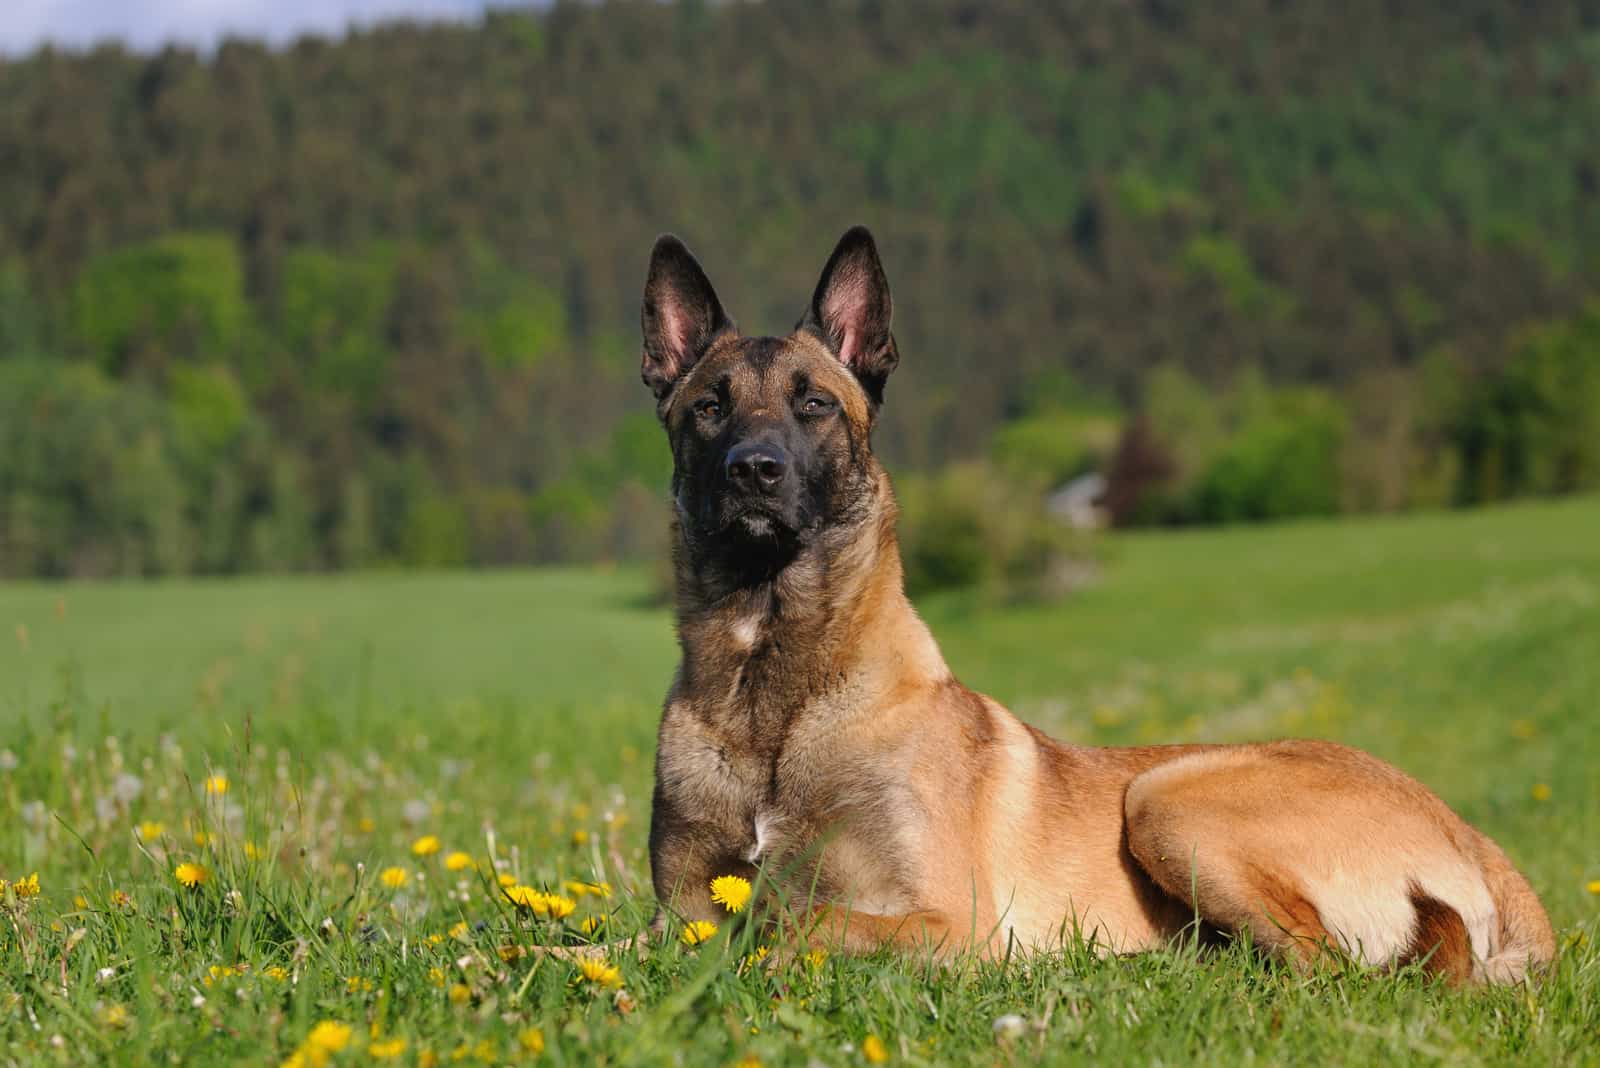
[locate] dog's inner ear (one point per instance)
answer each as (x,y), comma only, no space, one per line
(681,315)
(851,310)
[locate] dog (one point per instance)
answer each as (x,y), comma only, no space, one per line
(814,735)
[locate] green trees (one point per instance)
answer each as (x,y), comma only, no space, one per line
(1533,426)
(374,301)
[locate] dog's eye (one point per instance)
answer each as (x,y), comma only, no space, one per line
(815,405)
(708,409)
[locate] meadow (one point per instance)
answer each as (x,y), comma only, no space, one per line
(270,818)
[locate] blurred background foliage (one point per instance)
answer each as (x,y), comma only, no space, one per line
(373,302)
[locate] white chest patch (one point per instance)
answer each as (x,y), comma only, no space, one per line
(764,823)
(746,631)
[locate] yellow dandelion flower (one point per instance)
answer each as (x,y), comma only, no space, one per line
(506,880)
(731,892)
(426,846)
(510,953)
(436,977)
(366,824)
(394,878)
(460,994)
(251,850)
(526,897)
(592,924)
(426,1058)
(531,1039)
(358,985)
(28,887)
(115,1016)
(329,1036)
(217,784)
(599,972)
(458,929)
(79,901)
(749,1060)
(276,972)
(191,874)
(576,888)
(751,959)
(580,837)
(218,972)
(458,861)
(560,907)
(150,830)
(1594,886)
(817,957)
(485,1051)
(121,899)
(202,839)
(1541,791)
(388,1049)
(873,1049)
(698,932)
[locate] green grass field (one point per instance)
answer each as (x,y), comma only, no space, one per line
(510,717)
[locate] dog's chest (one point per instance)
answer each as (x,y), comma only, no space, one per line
(768,800)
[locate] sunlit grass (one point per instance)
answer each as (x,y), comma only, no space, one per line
(342,819)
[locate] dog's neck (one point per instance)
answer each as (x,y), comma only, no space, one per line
(832,621)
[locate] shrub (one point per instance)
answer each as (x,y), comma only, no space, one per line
(970,526)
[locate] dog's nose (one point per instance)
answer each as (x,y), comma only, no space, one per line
(756,467)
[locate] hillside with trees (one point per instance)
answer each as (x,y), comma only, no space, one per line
(373,301)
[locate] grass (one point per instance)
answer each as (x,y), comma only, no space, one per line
(511,716)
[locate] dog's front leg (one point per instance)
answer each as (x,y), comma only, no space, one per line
(838,928)
(685,855)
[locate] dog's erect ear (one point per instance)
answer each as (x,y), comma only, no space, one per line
(681,315)
(850,311)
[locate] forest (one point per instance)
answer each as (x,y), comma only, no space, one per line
(373,301)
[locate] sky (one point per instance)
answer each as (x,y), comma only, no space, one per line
(148,24)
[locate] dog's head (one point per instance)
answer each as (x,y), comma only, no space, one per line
(770,435)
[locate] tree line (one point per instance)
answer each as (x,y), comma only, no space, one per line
(372,301)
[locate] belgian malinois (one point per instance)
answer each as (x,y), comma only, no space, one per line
(813,715)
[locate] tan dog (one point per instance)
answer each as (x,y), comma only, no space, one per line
(813,728)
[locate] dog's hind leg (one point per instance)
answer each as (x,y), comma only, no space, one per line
(1312,848)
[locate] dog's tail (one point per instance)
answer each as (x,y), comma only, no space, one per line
(1526,942)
